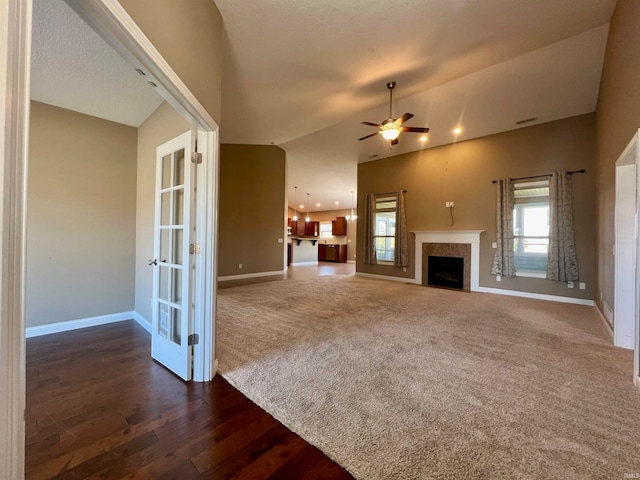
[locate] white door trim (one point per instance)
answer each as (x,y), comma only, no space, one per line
(15,60)
(110,20)
(626,276)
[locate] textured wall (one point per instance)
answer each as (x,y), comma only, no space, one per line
(189,37)
(463,172)
(618,119)
(81,216)
(161,126)
(252,209)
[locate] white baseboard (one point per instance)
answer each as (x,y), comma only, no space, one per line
(351,261)
(539,296)
(301,264)
(250,275)
(144,323)
(386,277)
(605,322)
(76,324)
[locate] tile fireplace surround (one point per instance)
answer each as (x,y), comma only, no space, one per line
(470,237)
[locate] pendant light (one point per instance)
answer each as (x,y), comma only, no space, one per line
(295,201)
(307,219)
(353,216)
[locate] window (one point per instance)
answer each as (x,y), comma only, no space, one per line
(385,232)
(325,230)
(531,228)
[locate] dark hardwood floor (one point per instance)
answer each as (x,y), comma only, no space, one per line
(98,407)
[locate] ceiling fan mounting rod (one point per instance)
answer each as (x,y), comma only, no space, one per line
(390,86)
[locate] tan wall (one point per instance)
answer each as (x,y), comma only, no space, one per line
(188,34)
(81,216)
(463,172)
(161,126)
(252,206)
(618,119)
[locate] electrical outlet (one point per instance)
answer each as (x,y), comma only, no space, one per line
(582,285)
(451,204)
(404,269)
(280,240)
(446,204)
(498,278)
(570,284)
(240,266)
(494,245)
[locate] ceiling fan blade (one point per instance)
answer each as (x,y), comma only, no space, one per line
(394,141)
(415,129)
(371,124)
(403,118)
(373,134)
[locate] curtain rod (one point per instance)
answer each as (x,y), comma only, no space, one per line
(540,176)
(389,193)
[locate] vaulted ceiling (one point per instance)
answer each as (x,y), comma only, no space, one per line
(303,74)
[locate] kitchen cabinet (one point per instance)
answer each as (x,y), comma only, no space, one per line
(339,227)
(328,252)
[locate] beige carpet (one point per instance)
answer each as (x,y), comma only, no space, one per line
(401,381)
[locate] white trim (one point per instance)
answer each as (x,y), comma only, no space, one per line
(250,275)
(301,264)
(111,21)
(77,324)
(351,261)
(15,61)
(471,237)
(385,277)
(143,322)
(538,296)
(605,322)
(530,274)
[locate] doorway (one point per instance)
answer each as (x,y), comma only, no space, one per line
(626,285)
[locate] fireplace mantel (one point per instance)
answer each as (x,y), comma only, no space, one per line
(471,237)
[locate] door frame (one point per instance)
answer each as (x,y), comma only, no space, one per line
(627,260)
(109,19)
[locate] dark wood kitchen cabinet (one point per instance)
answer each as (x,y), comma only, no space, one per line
(328,252)
(339,227)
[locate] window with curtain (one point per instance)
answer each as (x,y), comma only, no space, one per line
(385,228)
(531,215)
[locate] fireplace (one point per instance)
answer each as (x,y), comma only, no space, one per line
(446,272)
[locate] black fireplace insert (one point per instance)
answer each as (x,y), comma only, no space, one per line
(446,272)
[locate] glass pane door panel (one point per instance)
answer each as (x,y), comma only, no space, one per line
(163,287)
(177,247)
(178,178)
(165,235)
(165,208)
(166,171)
(176,286)
(177,325)
(164,321)
(178,202)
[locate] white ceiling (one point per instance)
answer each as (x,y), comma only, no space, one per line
(302,74)
(72,67)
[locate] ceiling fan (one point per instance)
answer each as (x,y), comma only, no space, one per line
(391,128)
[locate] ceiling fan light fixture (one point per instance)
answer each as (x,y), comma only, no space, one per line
(391,133)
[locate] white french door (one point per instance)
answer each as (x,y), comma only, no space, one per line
(172,321)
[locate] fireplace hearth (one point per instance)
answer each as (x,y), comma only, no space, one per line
(445,272)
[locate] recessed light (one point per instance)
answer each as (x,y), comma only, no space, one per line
(337,203)
(457,130)
(301,206)
(423,138)
(317,204)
